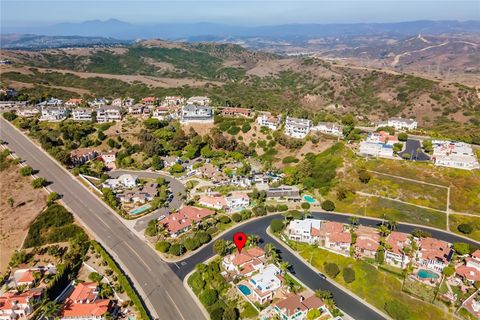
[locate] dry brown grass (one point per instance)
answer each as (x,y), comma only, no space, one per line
(15,221)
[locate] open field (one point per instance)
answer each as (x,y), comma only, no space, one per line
(15,220)
(389,209)
(465,185)
(387,286)
(408,191)
(455,220)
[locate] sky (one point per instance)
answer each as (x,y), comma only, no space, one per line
(233,12)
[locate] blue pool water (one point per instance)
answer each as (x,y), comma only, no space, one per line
(309,199)
(245,290)
(425,274)
(140,209)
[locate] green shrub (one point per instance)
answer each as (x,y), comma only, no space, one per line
(246,127)
(95,277)
(465,228)
(209,297)
(216,314)
(39,183)
(348,275)
(364,176)
(52,197)
(305,205)
(220,247)
(328,205)
(231,314)
(236,217)
(26,171)
(55,224)
(162,246)
(402,136)
(332,269)
(196,282)
(123,281)
(276,225)
(234,130)
(9,116)
(191,244)
(203,237)
(282,207)
(406,155)
(225,219)
(176,249)
(290,159)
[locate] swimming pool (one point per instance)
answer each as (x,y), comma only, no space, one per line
(139,210)
(309,199)
(245,290)
(425,274)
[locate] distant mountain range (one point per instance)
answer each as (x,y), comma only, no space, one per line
(32,41)
(213,32)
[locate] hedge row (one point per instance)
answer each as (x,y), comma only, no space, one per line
(123,280)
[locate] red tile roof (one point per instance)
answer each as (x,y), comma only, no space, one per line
(83,302)
(247,255)
(367,244)
(27,277)
(244,111)
(183,218)
(76,101)
(294,303)
(8,299)
(329,227)
(95,309)
(397,240)
(432,249)
(340,237)
(476,254)
(84,291)
(469,273)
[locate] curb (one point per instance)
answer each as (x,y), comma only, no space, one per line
(346,291)
(136,285)
(194,296)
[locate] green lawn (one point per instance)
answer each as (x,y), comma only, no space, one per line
(457,219)
(376,287)
(384,208)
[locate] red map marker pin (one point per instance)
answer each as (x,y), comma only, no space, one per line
(240,239)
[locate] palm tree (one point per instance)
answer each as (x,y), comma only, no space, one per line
(274,257)
(384,231)
(392,224)
(353,221)
(50,309)
(269,248)
(284,266)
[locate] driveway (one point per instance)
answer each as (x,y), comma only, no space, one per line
(414,148)
(177,188)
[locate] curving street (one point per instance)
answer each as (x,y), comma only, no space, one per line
(158,282)
(177,188)
(161,290)
(344,301)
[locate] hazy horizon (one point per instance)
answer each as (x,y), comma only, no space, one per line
(235,13)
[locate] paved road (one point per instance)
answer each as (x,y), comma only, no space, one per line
(411,147)
(176,186)
(347,303)
(163,291)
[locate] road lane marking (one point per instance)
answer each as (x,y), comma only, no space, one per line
(176,307)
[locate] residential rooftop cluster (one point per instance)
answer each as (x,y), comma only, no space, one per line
(261,282)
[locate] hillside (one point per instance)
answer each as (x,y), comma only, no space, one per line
(229,73)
